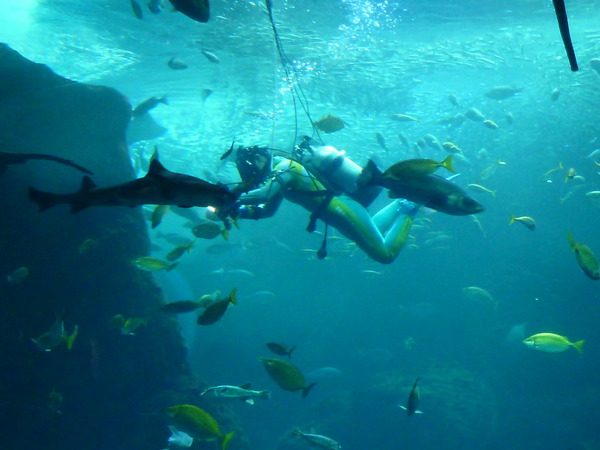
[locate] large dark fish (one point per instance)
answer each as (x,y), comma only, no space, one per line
(199,10)
(429,190)
(216,309)
(149,104)
(563,25)
(159,187)
(413,400)
(7,158)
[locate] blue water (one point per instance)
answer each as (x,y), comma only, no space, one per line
(363,60)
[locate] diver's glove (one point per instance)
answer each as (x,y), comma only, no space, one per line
(224,212)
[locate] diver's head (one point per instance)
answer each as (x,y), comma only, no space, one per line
(253,164)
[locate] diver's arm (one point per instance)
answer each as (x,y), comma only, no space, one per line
(262,211)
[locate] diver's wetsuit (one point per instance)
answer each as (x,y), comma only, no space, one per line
(381,237)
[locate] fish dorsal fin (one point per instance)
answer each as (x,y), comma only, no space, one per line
(87,184)
(156,168)
(245,385)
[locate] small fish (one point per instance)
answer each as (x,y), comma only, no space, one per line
(209,230)
(157,215)
(509,118)
(451,147)
(17,276)
(593,194)
(180,307)
(403,140)
(281,349)
(178,251)
(502,92)
(176,64)
(149,104)
(55,336)
(216,309)
(242,392)
(412,404)
(87,246)
(555,94)
(485,173)
(454,100)
(137,9)
(205,94)
(179,438)
(55,401)
(371,272)
(593,154)
(570,174)
(585,258)
(317,440)
(480,188)
(403,118)
(479,295)
(126,326)
(552,343)
(211,56)
(525,220)
(559,167)
(491,124)
(381,141)
(474,114)
(329,124)
(151,264)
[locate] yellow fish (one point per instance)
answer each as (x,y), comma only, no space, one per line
(158,214)
(491,124)
(451,147)
(178,251)
(198,424)
(150,264)
(480,188)
(552,343)
(330,124)
(525,220)
(586,259)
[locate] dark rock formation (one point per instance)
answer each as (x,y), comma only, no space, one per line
(113,386)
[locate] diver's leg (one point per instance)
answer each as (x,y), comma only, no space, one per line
(387,216)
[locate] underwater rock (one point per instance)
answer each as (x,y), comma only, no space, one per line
(111,387)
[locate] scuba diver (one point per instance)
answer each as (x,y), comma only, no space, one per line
(323,181)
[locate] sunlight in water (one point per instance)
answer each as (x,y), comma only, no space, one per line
(17,16)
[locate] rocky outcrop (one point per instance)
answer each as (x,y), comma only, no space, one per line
(112,386)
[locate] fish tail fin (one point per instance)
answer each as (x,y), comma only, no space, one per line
(172,266)
(266,395)
(512,219)
(307,389)
(579,346)
(290,352)
(225,234)
(226,439)
(296,432)
(571,239)
(447,163)
(72,337)
(493,193)
(232,296)
(369,175)
(43,200)
(164,99)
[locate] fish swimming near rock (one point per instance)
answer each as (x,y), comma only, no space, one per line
(151,264)
(286,375)
(330,124)
(585,258)
(198,10)
(178,251)
(318,440)
(430,190)
(552,343)
(159,187)
(55,336)
(242,392)
(8,158)
(215,310)
(198,424)
(412,404)
(209,230)
(147,105)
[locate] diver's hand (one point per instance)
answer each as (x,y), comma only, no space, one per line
(221,214)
